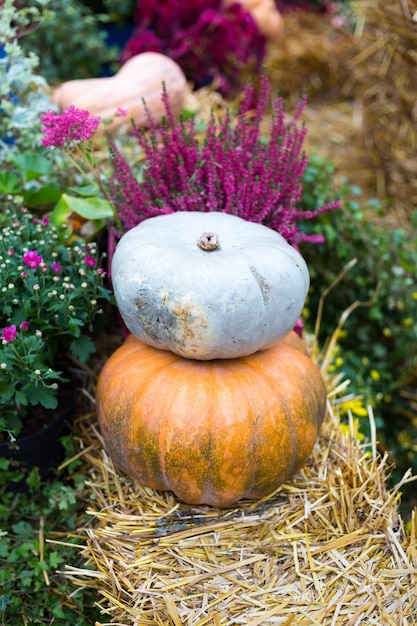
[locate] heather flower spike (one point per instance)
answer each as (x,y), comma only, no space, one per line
(233,170)
(71,126)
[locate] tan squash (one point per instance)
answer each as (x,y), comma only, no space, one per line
(266,15)
(212,432)
(140,79)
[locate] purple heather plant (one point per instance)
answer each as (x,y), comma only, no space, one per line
(207,40)
(233,169)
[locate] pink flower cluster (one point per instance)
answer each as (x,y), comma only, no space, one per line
(71,126)
(9,333)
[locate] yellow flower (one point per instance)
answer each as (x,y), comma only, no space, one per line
(352,429)
(375,375)
(355,406)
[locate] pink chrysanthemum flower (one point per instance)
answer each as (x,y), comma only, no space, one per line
(9,333)
(32,259)
(90,261)
(72,125)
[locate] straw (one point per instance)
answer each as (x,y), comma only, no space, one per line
(329,547)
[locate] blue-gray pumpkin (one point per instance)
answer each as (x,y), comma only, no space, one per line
(208,285)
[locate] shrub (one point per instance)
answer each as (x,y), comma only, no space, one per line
(379,342)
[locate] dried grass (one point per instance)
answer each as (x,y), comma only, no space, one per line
(329,548)
(362,90)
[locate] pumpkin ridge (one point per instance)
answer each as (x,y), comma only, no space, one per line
(290,454)
(312,414)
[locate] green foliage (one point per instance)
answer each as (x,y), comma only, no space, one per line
(70,43)
(52,290)
(379,342)
(23,92)
(32,591)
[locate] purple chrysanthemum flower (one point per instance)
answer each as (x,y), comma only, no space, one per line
(56,267)
(72,125)
(32,259)
(24,326)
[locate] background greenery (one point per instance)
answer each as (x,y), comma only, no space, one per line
(378,346)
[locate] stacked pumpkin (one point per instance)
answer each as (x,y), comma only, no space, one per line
(212,396)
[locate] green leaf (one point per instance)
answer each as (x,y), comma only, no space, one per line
(9,183)
(23,530)
(40,395)
(4,601)
(31,165)
(82,347)
(90,208)
(85,190)
(44,195)
(6,391)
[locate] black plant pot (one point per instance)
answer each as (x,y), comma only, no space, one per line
(42,448)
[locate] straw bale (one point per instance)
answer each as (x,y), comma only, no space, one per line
(308,58)
(362,89)
(384,79)
(329,548)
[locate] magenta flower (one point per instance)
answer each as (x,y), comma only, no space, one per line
(9,333)
(90,261)
(32,259)
(233,170)
(206,39)
(56,267)
(72,125)
(45,220)
(24,326)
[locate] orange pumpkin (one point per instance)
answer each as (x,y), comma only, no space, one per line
(265,14)
(212,432)
(139,82)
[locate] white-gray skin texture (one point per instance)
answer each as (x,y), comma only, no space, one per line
(228,302)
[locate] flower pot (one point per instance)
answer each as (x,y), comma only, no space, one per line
(41,448)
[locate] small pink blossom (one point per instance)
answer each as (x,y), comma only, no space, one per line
(32,259)
(10,252)
(122,111)
(9,333)
(24,326)
(90,261)
(56,267)
(72,125)
(45,220)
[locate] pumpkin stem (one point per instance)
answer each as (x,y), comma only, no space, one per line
(209,241)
